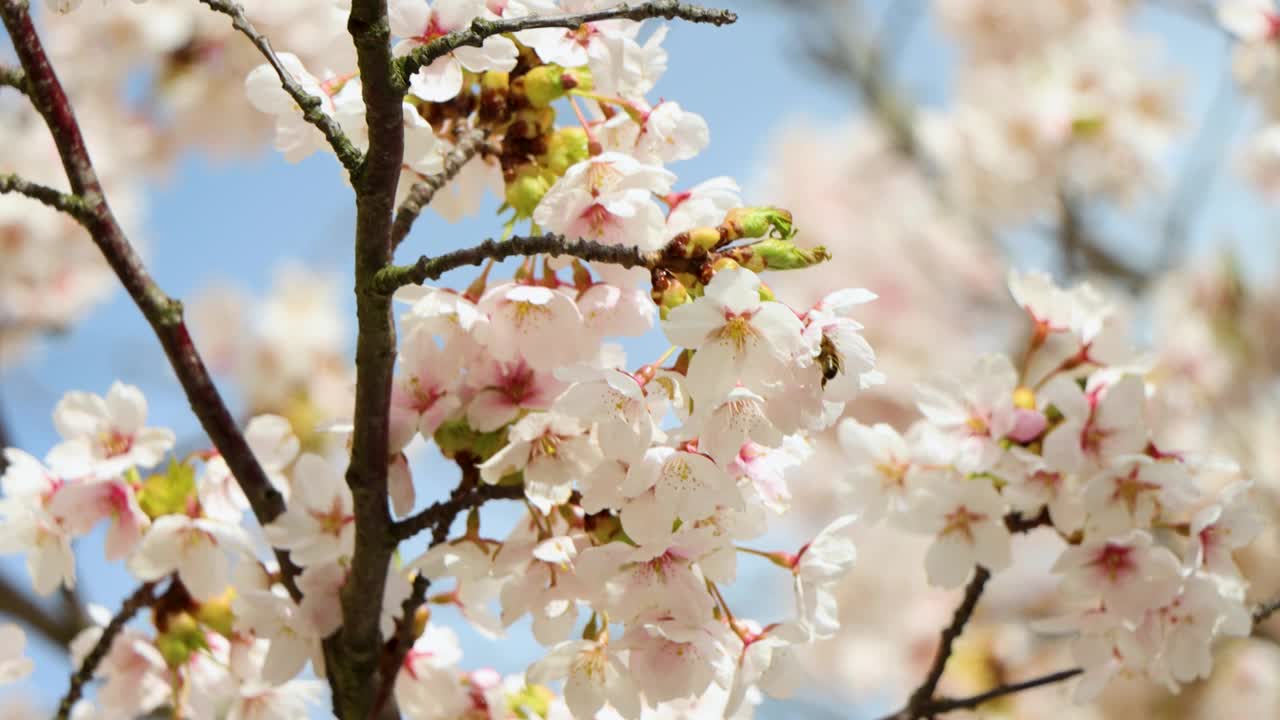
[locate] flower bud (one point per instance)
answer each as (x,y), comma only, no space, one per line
(566,147)
(545,84)
(181,638)
(778,255)
(668,292)
(696,242)
(216,613)
(525,192)
(757,222)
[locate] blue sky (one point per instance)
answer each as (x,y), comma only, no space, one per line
(223,221)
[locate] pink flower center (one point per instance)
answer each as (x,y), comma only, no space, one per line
(1114,561)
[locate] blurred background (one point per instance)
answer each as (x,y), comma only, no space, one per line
(931,145)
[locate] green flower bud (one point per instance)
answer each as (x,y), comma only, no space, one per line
(525,192)
(216,613)
(181,638)
(783,255)
(757,222)
(566,147)
(545,84)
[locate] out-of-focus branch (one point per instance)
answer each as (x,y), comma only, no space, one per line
(141,598)
(1265,610)
(421,194)
(57,627)
(310,105)
(14,78)
(946,705)
(480,29)
(428,268)
(162,312)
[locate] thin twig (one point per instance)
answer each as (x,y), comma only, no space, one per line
(428,268)
(964,612)
(311,106)
(945,705)
(1265,610)
(141,598)
(421,194)
(74,206)
(13,77)
(162,312)
(480,28)
(441,514)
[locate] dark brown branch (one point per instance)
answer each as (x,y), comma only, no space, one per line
(441,514)
(924,694)
(74,206)
(13,77)
(310,105)
(141,598)
(162,312)
(946,705)
(480,29)
(420,195)
(391,278)
(58,627)
(355,653)
(1016,522)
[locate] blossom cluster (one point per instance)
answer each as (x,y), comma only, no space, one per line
(1063,441)
(638,483)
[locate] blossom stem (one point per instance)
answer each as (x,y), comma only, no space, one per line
(421,194)
(162,312)
(347,153)
(480,29)
(143,597)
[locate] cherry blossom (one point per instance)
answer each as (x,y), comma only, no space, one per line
(738,338)
(107,435)
(317,525)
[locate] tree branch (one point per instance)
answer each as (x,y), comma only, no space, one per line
(72,205)
(474,36)
(420,195)
(310,105)
(441,514)
(945,705)
(142,597)
(924,694)
(426,268)
(13,77)
(356,673)
(1265,610)
(162,312)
